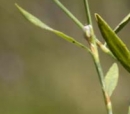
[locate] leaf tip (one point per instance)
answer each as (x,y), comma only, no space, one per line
(17,5)
(96,16)
(19,8)
(115,64)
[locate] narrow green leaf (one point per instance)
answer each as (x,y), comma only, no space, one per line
(33,19)
(40,24)
(115,44)
(111,79)
(122,23)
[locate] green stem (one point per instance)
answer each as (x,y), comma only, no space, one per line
(69,13)
(92,40)
(89,20)
(104,48)
(93,45)
(99,70)
(88,14)
(101,79)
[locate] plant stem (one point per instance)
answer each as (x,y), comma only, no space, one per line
(95,55)
(88,14)
(94,52)
(93,45)
(69,13)
(101,79)
(103,48)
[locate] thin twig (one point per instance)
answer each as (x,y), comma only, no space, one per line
(69,13)
(95,55)
(88,14)
(104,48)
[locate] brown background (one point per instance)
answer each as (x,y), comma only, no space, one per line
(41,73)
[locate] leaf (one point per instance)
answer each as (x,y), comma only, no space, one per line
(111,79)
(42,25)
(122,23)
(115,44)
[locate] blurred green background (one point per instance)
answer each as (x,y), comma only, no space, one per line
(41,73)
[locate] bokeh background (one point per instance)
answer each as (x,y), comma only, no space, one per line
(41,73)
